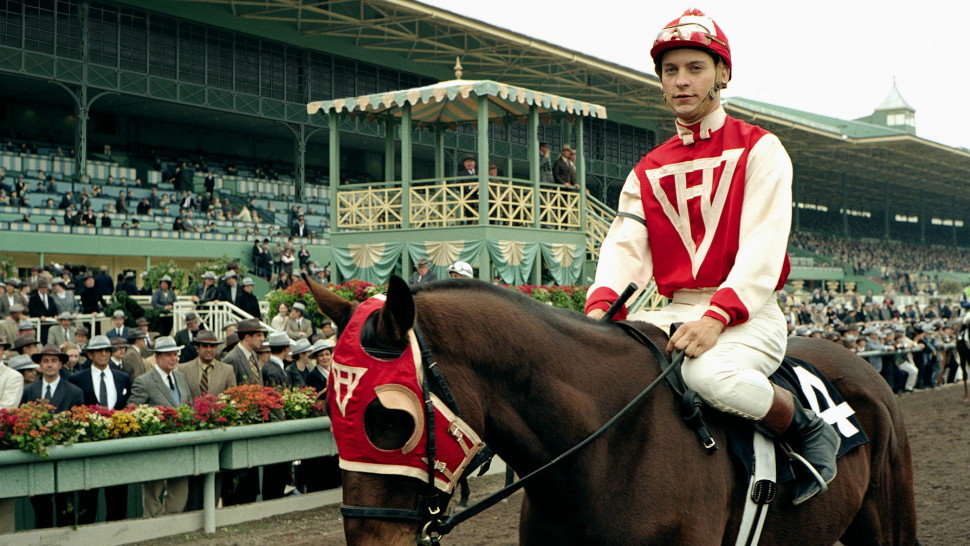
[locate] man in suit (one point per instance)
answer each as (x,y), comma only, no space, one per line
(274,372)
(243,357)
(102,385)
(241,487)
(142,324)
(133,363)
(63,396)
(118,349)
(10,325)
(422,273)
(163,386)
(63,332)
(563,171)
(41,305)
(297,326)
(230,291)
(205,374)
(300,229)
(467,170)
(119,329)
(185,336)
(208,292)
(247,301)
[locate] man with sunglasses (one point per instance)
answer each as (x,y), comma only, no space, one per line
(707,215)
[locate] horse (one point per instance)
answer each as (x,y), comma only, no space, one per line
(533,381)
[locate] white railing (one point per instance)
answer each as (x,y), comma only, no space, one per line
(214,315)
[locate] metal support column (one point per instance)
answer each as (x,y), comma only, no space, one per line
(483,162)
(885,226)
(845,207)
(334,127)
(922,216)
(953,217)
(796,211)
(406,175)
(439,152)
(533,136)
(509,120)
(209,502)
(389,148)
(581,173)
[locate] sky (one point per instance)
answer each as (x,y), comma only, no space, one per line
(836,58)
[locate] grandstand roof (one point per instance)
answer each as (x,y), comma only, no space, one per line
(456,100)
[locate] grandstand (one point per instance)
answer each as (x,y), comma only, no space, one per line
(94,90)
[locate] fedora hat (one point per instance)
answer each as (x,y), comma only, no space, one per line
(165,345)
(137,333)
(231,341)
(118,342)
(49,349)
(205,337)
(97,343)
(249,326)
(24,341)
(191,317)
(22,363)
(300,347)
(279,339)
(320,345)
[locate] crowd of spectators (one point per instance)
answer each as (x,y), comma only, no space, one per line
(897,263)
(914,347)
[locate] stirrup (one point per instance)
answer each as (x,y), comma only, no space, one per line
(812,472)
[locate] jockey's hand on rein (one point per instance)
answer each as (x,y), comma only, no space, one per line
(596,314)
(696,337)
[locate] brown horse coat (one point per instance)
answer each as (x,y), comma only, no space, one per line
(534,381)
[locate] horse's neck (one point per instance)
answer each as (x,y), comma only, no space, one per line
(534,391)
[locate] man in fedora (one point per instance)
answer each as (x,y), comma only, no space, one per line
(118,349)
(11,384)
(208,291)
(141,323)
(422,273)
(230,291)
(105,386)
(206,374)
(243,357)
(118,329)
(297,326)
(63,396)
(133,363)
(163,386)
(185,336)
(25,345)
(64,331)
(274,372)
(247,301)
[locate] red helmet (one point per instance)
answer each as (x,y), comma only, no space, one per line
(692,29)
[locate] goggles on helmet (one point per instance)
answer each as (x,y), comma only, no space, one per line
(690,32)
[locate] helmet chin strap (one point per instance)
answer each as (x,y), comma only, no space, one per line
(711,95)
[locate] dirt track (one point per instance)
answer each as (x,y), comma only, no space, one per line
(937,422)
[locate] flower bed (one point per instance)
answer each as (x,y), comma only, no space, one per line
(35,427)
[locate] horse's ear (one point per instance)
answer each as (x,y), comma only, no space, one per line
(330,304)
(397,316)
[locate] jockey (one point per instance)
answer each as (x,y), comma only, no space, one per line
(707,215)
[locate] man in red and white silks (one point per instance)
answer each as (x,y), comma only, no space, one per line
(707,215)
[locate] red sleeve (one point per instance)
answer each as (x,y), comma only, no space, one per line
(602,298)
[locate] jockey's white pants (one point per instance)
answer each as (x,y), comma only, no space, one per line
(733,375)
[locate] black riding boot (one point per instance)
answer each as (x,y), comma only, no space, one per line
(811,439)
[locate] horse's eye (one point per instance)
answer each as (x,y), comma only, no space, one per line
(387,429)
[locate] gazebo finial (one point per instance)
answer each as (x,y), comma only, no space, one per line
(458,68)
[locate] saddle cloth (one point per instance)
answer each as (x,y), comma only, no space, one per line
(816,393)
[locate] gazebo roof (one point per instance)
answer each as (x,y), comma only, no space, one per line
(456,101)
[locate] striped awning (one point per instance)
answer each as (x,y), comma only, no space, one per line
(456,101)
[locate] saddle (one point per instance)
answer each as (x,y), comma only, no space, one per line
(802,379)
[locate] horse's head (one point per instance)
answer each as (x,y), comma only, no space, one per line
(378,401)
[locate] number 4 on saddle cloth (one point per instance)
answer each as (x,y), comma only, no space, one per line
(816,393)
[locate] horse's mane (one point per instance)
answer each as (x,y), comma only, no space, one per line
(554,316)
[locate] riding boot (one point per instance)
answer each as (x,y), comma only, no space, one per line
(810,438)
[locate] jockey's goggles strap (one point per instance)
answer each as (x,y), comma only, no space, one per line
(689,32)
(445,525)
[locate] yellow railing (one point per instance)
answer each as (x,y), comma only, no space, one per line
(454,202)
(598,220)
(369,209)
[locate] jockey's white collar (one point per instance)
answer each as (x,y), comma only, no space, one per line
(702,129)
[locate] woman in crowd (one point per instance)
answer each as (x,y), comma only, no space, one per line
(284,281)
(282,311)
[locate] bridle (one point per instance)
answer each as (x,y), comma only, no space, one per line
(428,504)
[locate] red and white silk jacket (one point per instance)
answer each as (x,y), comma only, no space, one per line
(715,203)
